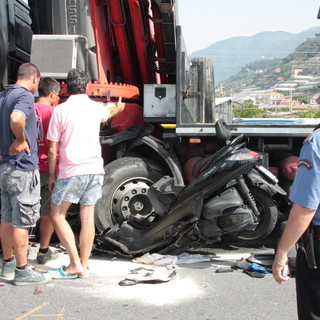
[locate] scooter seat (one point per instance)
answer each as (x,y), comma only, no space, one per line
(201,165)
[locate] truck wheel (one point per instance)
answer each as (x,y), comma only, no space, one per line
(124,193)
(267,219)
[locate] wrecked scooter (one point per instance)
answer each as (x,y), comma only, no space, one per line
(143,210)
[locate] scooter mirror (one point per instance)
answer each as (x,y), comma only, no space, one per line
(222,130)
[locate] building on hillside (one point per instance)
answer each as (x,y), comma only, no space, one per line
(286,86)
(287,102)
(295,72)
(268,99)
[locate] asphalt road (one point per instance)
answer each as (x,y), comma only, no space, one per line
(197,291)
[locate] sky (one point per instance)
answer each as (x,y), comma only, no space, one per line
(207,21)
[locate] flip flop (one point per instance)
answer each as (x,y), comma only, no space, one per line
(254,274)
(60,273)
(265,260)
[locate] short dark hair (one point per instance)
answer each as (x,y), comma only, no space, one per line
(27,70)
(77,81)
(48,85)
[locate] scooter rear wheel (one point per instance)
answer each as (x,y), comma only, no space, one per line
(267,219)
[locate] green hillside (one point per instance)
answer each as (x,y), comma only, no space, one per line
(264,74)
(230,55)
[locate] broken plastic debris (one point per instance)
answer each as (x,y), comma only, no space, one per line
(144,275)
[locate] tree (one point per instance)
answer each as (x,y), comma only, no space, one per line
(307,114)
(302,98)
(248,110)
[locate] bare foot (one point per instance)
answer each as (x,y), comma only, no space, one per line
(84,274)
(73,270)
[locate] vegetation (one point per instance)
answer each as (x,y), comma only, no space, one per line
(307,114)
(305,99)
(248,110)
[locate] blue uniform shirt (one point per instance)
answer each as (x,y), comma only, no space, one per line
(15,98)
(306,186)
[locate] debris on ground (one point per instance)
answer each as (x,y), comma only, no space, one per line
(256,266)
(147,275)
(167,260)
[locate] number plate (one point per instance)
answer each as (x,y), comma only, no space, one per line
(267,173)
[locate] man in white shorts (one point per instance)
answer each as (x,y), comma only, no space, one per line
(74,133)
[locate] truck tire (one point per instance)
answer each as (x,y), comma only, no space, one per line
(124,192)
(267,219)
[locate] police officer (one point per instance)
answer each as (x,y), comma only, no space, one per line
(304,216)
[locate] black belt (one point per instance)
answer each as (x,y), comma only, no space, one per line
(316,231)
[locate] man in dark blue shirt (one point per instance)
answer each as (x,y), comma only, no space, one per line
(305,195)
(19,175)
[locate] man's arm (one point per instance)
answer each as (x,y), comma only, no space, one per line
(52,162)
(18,124)
(298,221)
(113,111)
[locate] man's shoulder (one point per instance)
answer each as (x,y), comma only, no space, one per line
(16,97)
(311,145)
(314,136)
(13,91)
(41,106)
(81,98)
(60,107)
(23,96)
(19,90)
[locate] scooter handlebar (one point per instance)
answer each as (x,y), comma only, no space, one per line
(236,140)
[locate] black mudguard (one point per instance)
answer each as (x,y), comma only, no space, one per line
(141,134)
(257,180)
(132,133)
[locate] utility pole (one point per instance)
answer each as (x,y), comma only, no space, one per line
(221,87)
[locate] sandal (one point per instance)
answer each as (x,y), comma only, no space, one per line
(60,273)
